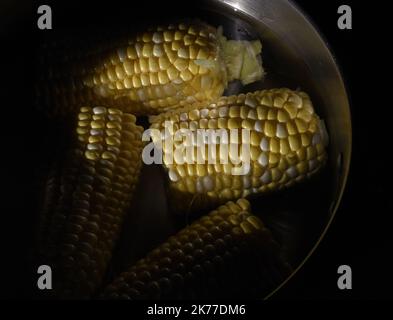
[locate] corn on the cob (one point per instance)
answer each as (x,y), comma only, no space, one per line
(228,253)
(87,199)
(286,144)
(150,72)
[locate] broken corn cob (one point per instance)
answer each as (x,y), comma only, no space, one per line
(228,253)
(286,144)
(151,72)
(87,199)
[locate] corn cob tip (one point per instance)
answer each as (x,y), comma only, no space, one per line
(242,59)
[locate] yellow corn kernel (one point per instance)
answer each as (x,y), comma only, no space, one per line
(229,244)
(269,144)
(196,66)
(87,199)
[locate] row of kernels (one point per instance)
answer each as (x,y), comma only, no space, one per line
(288,168)
(161,67)
(89,238)
(186,251)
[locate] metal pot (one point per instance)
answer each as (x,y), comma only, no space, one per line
(295,55)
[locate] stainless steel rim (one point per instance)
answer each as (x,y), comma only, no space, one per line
(307,38)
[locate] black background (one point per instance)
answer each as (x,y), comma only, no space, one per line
(359,236)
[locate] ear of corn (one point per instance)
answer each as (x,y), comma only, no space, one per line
(156,70)
(87,199)
(286,145)
(228,253)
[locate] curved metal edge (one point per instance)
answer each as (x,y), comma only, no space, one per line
(346,169)
(236,5)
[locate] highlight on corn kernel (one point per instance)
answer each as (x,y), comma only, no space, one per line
(199,145)
(186,146)
(186,153)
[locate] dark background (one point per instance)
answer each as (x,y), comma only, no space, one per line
(360,234)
